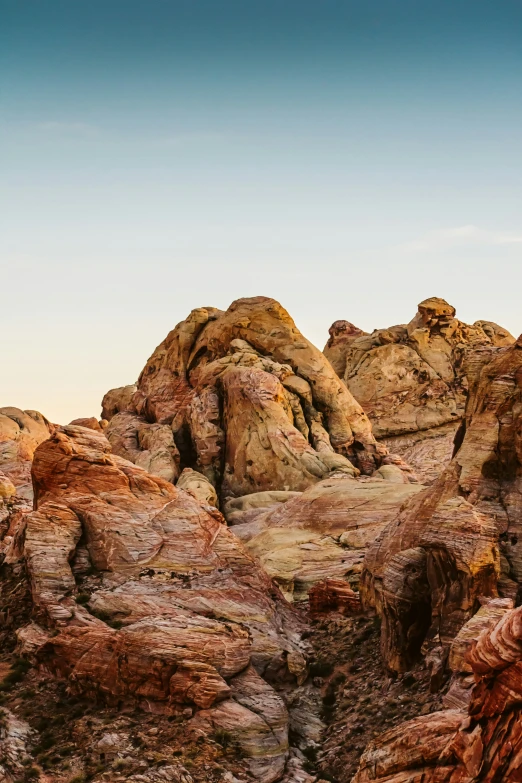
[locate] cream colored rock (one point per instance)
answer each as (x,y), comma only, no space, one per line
(323,532)
(252,405)
(412,380)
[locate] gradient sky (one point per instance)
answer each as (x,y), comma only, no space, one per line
(347,157)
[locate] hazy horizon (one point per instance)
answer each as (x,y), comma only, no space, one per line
(347,159)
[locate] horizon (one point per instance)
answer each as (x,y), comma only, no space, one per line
(346,160)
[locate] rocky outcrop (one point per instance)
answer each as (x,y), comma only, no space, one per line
(412,380)
(479,744)
(249,402)
(302,539)
(459,540)
(20,434)
(172,612)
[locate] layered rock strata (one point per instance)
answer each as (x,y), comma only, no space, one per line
(412,380)
(459,540)
(172,613)
(480,744)
(321,533)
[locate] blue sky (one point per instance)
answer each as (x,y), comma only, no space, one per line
(347,158)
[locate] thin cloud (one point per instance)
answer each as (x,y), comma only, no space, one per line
(460,236)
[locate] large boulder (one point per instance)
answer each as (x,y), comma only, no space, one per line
(250,403)
(145,597)
(412,380)
(459,540)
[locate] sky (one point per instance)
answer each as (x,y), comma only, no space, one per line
(347,158)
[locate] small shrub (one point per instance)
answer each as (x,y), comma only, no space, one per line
(223,738)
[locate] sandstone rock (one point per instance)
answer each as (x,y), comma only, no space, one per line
(479,744)
(448,545)
(197,485)
(179,613)
(151,446)
(333,595)
(322,533)
(117,401)
(20,434)
(412,380)
(91,423)
(252,404)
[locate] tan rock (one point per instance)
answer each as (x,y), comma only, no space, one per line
(412,380)
(322,533)
(20,434)
(258,404)
(468,520)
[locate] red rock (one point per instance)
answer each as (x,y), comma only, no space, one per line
(194,608)
(333,595)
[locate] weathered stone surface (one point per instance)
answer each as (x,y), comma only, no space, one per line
(323,532)
(467,524)
(333,595)
(251,403)
(412,380)
(480,744)
(20,434)
(151,446)
(177,612)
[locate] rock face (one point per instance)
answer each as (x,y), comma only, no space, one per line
(242,397)
(174,614)
(321,533)
(459,540)
(412,380)
(481,744)
(20,434)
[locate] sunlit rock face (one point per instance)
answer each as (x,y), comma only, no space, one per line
(174,612)
(412,380)
(20,433)
(242,397)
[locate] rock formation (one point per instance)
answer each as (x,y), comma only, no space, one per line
(242,397)
(459,540)
(174,614)
(20,434)
(412,380)
(321,533)
(480,744)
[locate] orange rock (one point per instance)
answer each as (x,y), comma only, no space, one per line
(178,609)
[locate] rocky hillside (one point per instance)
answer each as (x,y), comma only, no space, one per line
(229,577)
